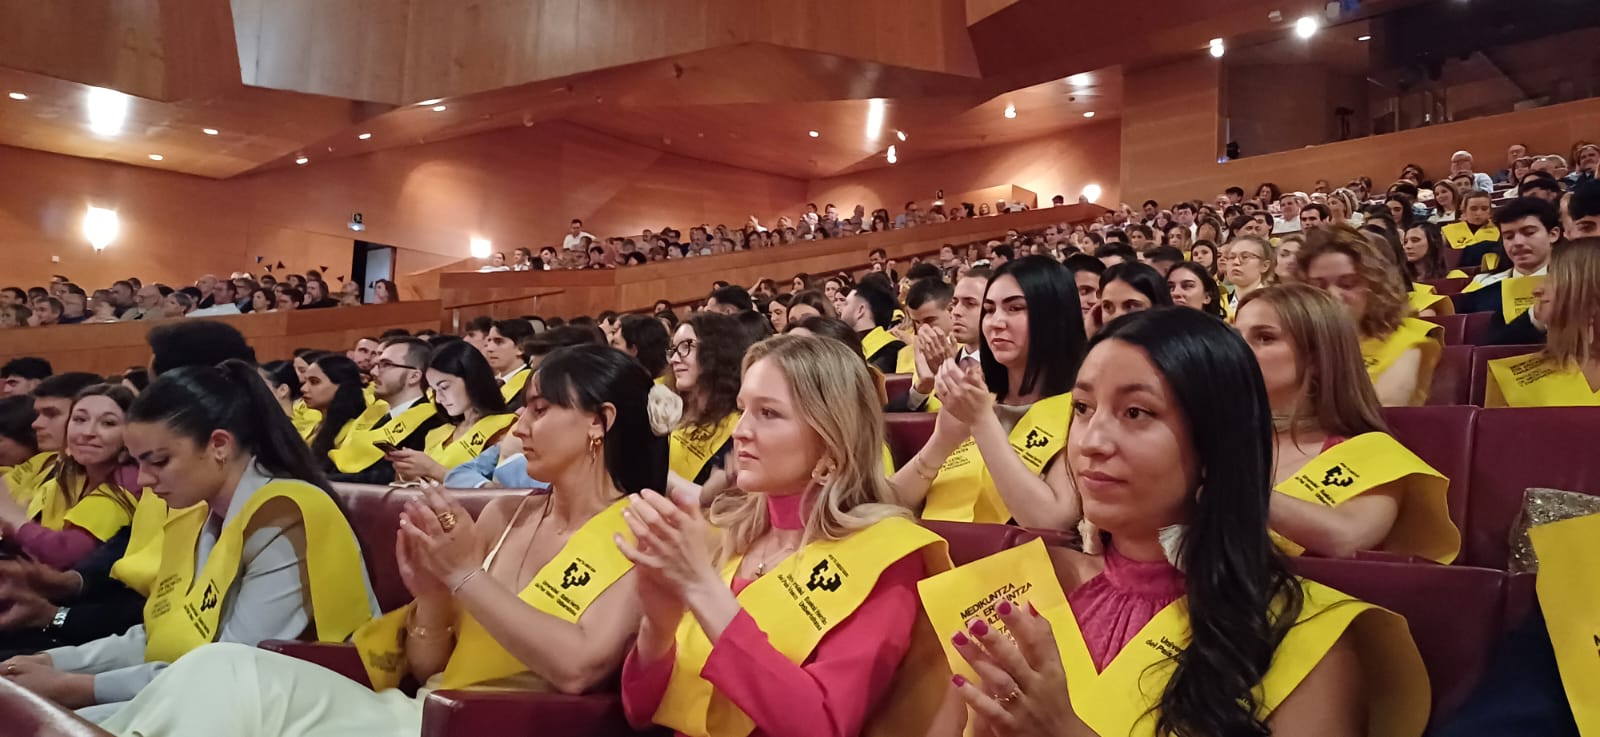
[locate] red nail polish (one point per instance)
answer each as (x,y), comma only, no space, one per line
(1004,608)
(960,639)
(958,680)
(979,628)
(1031,610)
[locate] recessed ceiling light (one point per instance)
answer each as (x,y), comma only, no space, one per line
(156,157)
(813,134)
(439,108)
(1080,80)
(17,96)
(209,131)
(900,135)
(364,136)
(301,161)
(1364,37)
(1089,114)
(1011,111)
(1217,50)
(1306,26)
(434,101)
(892,155)
(108,109)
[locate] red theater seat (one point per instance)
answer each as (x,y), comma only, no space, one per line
(1442,436)
(480,713)
(27,715)
(1466,329)
(896,386)
(1479,380)
(906,433)
(1517,449)
(374,514)
(1452,285)
(1454,613)
(1452,377)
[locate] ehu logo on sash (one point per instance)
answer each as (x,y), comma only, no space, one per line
(572,576)
(819,581)
(208,600)
(1036,439)
(1336,477)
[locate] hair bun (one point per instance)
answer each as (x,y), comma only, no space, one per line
(666,409)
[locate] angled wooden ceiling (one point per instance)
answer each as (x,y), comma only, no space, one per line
(219,89)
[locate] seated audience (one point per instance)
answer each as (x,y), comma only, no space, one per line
(501,347)
(1176,554)
(1192,287)
(810,500)
(705,357)
(959,341)
(647,342)
(1130,287)
(284,382)
(810,303)
(333,386)
(869,310)
(19,376)
(1400,352)
(1474,234)
(381,453)
(1567,371)
(1250,267)
(1014,397)
(465,392)
(18,441)
(1530,229)
(1342,482)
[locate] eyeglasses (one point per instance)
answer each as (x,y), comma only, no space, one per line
(682,349)
(385,365)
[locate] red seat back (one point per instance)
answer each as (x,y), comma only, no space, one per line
(1452,257)
(906,433)
(1454,332)
(1452,377)
(374,514)
(896,386)
(1441,436)
(970,541)
(1517,449)
(1452,285)
(1481,356)
(1454,613)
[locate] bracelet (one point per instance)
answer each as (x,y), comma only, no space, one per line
(917,463)
(426,633)
(464,579)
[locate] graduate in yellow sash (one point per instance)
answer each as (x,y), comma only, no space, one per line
(993,453)
(705,356)
(1342,483)
(801,621)
(1400,352)
(397,382)
(18,441)
(1531,228)
(1180,617)
(933,305)
(869,310)
(534,595)
(255,548)
(465,391)
(1474,235)
(502,348)
(84,499)
(1567,372)
(284,383)
(334,387)
(51,408)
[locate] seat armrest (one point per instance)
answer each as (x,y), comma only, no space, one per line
(338,657)
(25,714)
(509,713)
(1382,556)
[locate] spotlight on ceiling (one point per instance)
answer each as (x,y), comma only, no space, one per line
(1089,114)
(892,156)
(18,96)
(156,157)
(302,161)
(1364,37)
(209,131)
(1217,49)
(900,135)
(364,136)
(108,109)
(434,101)
(1080,80)
(439,108)
(813,134)
(1011,111)
(1306,27)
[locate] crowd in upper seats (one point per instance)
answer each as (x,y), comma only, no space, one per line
(705,505)
(66,303)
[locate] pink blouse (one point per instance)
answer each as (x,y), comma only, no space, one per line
(832,693)
(1112,607)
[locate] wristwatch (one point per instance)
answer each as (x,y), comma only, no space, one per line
(59,620)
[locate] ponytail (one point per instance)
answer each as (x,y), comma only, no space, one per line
(278,447)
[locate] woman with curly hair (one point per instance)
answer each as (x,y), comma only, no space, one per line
(1399,351)
(706,356)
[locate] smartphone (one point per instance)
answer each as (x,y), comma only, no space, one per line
(386,446)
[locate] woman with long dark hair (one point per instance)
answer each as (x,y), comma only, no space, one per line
(1424,246)
(1130,287)
(481,618)
(1182,618)
(1193,287)
(705,360)
(648,341)
(255,547)
(1342,482)
(1016,397)
(809,303)
(334,387)
(384,291)
(90,496)
(284,383)
(464,388)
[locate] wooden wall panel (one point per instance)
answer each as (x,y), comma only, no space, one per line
(1170,122)
(1057,164)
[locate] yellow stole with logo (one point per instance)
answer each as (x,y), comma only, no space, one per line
(1369,461)
(564,588)
(185,606)
(451,454)
(1516,295)
(1380,354)
(138,566)
(356,428)
(1460,235)
(24,478)
(965,492)
(1569,595)
(1120,699)
(359,451)
(101,512)
(799,603)
(690,447)
(513,387)
(875,341)
(1537,381)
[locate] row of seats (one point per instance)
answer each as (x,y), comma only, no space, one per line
(1456,613)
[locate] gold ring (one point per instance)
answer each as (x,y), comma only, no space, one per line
(11,670)
(1007,699)
(447,521)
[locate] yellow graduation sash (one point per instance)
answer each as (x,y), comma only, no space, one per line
(875,341)
(1366,462)
(564,588)
(451,454)
(358,452)
(1120,699)
(1423,297)
(24,478)
(513,387)
(101,512)
(797,604)
(965,492)
(183,610)
(305,420)
(352,445)
(1379,355)
(1536,381)
(1569,594)
(138,566)
(690,447)
(905,362)
(1460,235)
(1516,295)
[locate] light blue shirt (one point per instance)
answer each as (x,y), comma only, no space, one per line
(487,469)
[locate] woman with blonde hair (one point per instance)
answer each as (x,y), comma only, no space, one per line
(1567,372)
(1342,483)
(797,621)
(1399,351)
(1345,207)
